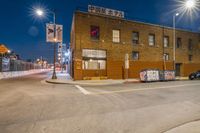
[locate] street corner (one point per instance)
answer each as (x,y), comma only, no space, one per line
(85,82)
(56,81)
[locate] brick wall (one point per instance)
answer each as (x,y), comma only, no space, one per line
(149,56)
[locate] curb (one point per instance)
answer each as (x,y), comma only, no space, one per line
(101,84)
(130,82)
(89,84)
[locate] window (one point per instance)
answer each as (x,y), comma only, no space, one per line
(116,36)
(166,41)
(166,56)
(91,53)
(178,43)
(135,55)
(151,39)
(135,38)
(94,59)
(190,57)
(94,64)
(190,44)
(94,32)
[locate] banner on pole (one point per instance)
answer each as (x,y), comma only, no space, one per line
(59,33)
(51,35)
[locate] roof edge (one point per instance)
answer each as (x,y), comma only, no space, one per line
(139,22)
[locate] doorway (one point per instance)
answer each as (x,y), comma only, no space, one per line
(178,69)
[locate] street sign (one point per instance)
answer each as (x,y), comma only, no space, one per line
(50,33)
(3,49)
(126,61)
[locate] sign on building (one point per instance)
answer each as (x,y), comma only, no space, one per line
(50,33)
(105,11)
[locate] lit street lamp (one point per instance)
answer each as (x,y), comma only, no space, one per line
(40,12)
(187,5)
(9,51)
(174,34)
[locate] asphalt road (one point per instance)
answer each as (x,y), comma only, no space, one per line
(29,105)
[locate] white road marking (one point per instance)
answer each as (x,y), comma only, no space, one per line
(85,92)
(142,89)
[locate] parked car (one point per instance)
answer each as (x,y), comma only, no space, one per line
(195,75)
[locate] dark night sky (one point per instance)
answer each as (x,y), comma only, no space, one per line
(24,33)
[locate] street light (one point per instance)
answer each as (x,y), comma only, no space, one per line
(9,51)
(189,4)
(40,12)
(174,34)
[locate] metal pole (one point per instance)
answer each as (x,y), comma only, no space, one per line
(163,41)
(61,61)
(174,34)
(54,61)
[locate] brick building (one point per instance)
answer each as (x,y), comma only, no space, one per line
(101,46)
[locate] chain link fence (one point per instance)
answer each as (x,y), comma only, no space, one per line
(17,65)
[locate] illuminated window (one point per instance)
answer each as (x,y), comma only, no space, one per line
(91,53)
(94,64)
(166,41)
(94,59)
(116,36)
(166,56)
(94,32)
(151,39)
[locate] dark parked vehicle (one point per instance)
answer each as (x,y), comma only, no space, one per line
(195,75)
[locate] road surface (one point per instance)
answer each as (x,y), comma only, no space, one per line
(29,105)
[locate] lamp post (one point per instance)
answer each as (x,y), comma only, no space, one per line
(40,12)
(174,40)
(54,60)
(187,5)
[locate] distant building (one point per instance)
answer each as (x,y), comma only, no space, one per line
(62,59)
(104,46)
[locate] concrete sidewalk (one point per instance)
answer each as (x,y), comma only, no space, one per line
(192,127)
(182,78)
(64,78)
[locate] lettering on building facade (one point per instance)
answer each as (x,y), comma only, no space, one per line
(105,11)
